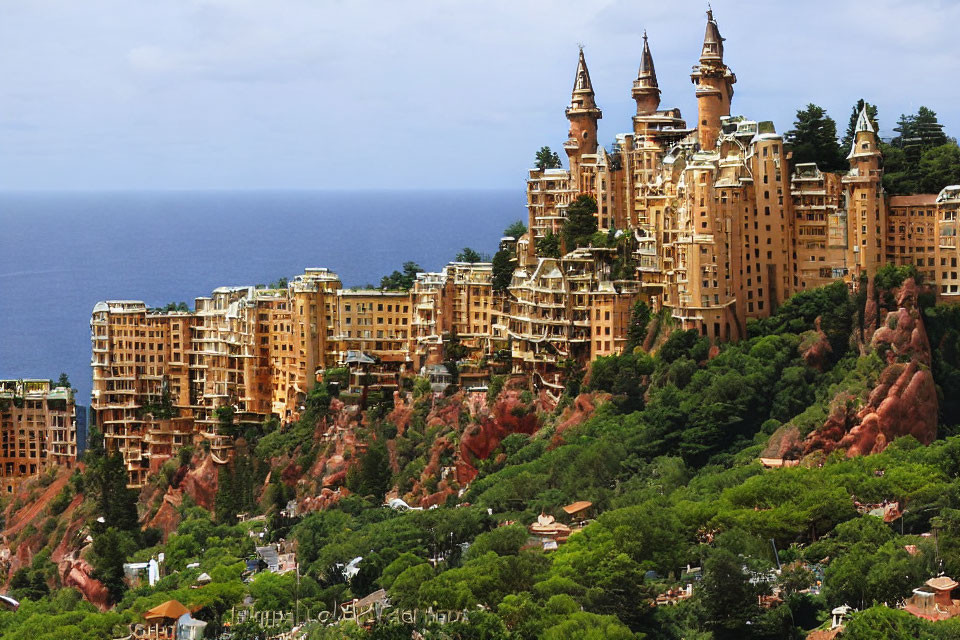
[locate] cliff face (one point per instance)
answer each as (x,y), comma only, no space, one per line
(509,414)
(904,401)
(23,538)
(197,479)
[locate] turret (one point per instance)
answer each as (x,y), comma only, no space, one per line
(645,89)
(714,82)
(583,114)
(866,215)
(864,139)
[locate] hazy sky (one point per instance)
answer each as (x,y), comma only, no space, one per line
(360,94)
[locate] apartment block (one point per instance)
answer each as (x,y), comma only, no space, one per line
(948,253)
(38,429)
(912,233)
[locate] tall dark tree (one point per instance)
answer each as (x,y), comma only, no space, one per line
(547,159)
(928,129)
(116,504)
(847,141)
(814,139)
(921,158)
(637,331)
(225,504)
(111,548)
(581,222)
(502,270)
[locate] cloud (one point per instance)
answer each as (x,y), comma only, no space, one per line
(323,93)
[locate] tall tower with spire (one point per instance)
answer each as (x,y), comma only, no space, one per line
(714,82)
(583,114)
(645,89)
(866,213)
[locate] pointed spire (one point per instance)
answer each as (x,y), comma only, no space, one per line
(712,40)
(645,89)
(581,83)
(647,71)
(863,121)
(583,98)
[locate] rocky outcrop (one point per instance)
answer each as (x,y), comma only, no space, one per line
(904,400)
(200,483)
(815,347)
(77,573)
(324,500)
(167,518)
(508,415)
(580,411)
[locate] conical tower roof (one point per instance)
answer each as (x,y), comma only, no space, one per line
(647,71)
(583,98)
(863,121)
(712,40)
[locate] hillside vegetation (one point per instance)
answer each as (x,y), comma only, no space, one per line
(666,445)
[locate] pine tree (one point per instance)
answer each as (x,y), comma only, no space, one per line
(116,504)
(814,139)
(469,255)
(502,270)
(928,129)
(547,159)
(581,222)
(549,246)
(225,504)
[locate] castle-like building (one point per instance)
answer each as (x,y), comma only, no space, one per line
(712,225)
(725,229)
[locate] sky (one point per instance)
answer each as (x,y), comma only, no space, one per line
(403,94)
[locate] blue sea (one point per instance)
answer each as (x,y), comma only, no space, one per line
(60,253)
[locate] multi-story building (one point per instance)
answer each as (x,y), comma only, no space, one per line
(566,309)
(912,233)
(38,429)
(709,223)
(948,252)
(820,222)
(428,322)
(724,230)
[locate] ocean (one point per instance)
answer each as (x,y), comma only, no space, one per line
(62,252)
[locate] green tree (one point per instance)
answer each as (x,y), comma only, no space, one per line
(637,331)
(111,548)
(814,139)
(502,270)
(728,599)
(469,255)
(939,167)
(549,246)
(547,159)
(515,230)
(116,504)
(373,476)
(581,222)
(401,280)
(63,381)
